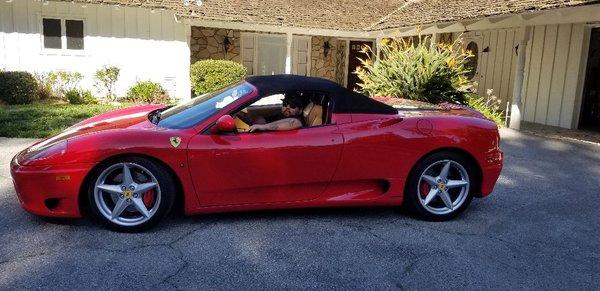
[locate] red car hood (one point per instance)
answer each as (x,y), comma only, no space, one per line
(120,118)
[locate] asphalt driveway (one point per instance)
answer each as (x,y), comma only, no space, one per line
(540,229)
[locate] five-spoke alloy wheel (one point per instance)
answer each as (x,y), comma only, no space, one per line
(440,186)
(131,194)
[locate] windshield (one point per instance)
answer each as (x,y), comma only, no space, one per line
(194,111)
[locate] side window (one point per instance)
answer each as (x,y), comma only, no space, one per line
(63,34)
(313,111)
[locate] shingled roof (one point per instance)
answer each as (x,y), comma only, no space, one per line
(347,15)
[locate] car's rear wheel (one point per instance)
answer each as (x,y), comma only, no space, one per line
(131,194)
(440,186)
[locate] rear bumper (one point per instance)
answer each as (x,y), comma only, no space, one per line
(51,191)
(491,171)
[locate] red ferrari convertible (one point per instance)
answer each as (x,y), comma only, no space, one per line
(129,167)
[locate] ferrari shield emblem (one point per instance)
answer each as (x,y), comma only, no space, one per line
(175,141)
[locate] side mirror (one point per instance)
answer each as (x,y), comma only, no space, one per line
(225,123)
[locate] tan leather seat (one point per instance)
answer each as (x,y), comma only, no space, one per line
(313,114)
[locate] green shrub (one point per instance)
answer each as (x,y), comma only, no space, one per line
(45,87)
(147,92)
(211,75)
(489,106)
(17,87)
(417,71)
(106,79)
(80,97)
(63,81)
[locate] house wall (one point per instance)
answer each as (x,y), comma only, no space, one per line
(144,44)
(553,74)
(308,57)
(208,43)
(552,70)
(325,66)
(340,62)
(495,69)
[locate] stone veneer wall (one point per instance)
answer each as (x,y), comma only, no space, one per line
(321,66)
(340,59)
(207,43)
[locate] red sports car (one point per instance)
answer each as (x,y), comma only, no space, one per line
(129,167)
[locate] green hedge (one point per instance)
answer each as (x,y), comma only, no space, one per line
(17,87)
(211,75)
(80,97)
(147,92)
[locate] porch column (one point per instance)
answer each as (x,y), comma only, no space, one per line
(377,48)
(515,111)
(288,56)
(434,39)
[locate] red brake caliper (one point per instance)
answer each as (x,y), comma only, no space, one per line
(424,188)
(148,198)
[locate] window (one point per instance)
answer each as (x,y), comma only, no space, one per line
(472,62)
(52,33)
(74,32)
(62,34)
(313,111)
(271,54)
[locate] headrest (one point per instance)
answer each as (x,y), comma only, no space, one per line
(307,109)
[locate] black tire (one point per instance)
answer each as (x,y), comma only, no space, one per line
(412,201)
(166,189)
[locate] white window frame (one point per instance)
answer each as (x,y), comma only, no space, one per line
(255,36)
(63,36)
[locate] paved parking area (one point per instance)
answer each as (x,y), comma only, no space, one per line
(540,229)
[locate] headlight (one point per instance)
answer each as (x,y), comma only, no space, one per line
(42,152)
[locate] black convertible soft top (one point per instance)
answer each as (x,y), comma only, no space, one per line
(344,100)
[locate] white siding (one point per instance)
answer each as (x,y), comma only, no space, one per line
(552,70)
(145,44)
(553,74)
(496,66)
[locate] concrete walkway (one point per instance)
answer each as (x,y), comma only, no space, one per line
(586,136)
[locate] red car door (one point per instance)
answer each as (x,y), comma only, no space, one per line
(263,167)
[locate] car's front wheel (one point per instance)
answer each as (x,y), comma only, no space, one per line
(440,186)
(131,194)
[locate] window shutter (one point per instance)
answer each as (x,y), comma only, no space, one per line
(301,55)
(248,53)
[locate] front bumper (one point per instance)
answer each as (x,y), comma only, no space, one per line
(52,190)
